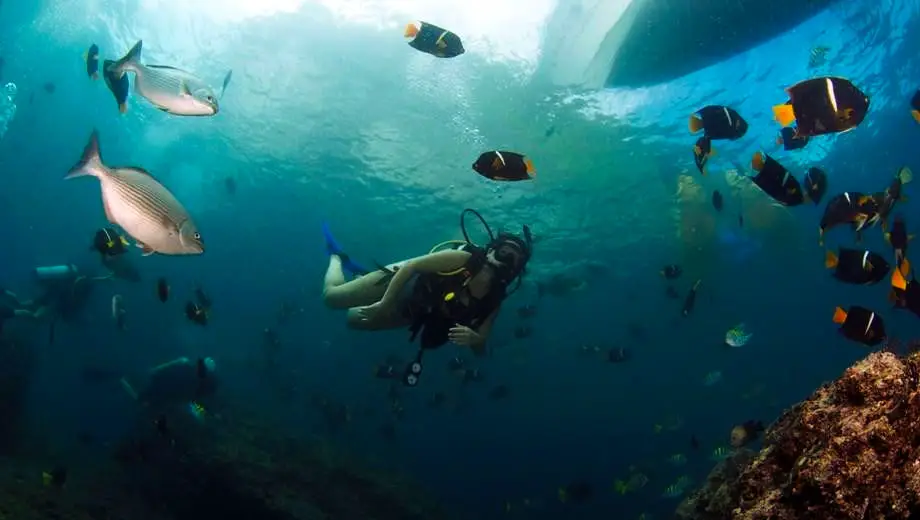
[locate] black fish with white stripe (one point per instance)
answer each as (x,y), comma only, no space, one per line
(718,122)
(501,165)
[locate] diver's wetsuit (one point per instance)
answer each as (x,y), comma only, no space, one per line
(434,304)
(6,312)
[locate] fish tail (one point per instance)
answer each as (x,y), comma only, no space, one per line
(897,279)
(784,114)
(411,30)
(90,162)
(905,175)
(916,114)
(830,260)
(129,61)
(529,167)
(840,315)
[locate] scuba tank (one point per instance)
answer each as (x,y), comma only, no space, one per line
(56,272)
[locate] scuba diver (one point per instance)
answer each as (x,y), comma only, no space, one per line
(12,307)
(180,382)
(451,294)
(112,247)
(64,291)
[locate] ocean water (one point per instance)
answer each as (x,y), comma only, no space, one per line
(332,117)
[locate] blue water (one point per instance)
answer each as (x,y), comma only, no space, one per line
(329,119)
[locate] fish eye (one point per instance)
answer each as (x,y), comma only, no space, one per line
(197,236)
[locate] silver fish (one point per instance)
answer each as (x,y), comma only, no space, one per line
(143,207)
(170,89)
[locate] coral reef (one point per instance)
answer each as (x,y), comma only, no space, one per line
(226,470)
(851,451)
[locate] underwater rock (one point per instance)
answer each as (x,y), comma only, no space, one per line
(720,492)
(852,450)
(240,470)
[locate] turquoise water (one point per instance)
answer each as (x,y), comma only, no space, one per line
(331,117)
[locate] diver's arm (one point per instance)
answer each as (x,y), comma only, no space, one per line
(24,313)
(442,261)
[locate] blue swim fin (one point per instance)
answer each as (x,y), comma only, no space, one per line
(333,248)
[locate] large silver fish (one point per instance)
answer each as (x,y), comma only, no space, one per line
(170,89)
(143,207)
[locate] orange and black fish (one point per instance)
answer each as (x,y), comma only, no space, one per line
(163,289)
(823,105)
(857,266)
(893,193)
(92,61)
(789,140)
(905,294)
(118,86)
(776,181)
(434,40)
(915,106)
(852,207)
(702,151)
(898,238)
(718,122)
(861,325)
(815,182)
(504,166)
(196,313)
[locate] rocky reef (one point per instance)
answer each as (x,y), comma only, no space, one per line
(221,469)
(850,451)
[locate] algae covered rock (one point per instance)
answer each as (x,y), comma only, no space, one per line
(850,451)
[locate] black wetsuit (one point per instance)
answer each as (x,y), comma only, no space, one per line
(436,304)
(6,312)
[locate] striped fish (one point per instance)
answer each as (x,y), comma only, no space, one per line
(143,207)
(170,89)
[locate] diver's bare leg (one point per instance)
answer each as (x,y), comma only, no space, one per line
(339,294)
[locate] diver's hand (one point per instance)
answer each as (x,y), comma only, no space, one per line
(371,311)
(462,335)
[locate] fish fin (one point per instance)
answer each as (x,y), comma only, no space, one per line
(712,151)
(840,315)
(145,249)
(183,89)
(864,199)
(124,240)
(887,237)
(779,139)
(227,79)
(411,30)
(892,296)
(784,114)
(916,114)
(830,260)
(697,150)
(758,161)
(869,266)
(695,123)
(95,76)
(528,166)
(85,55)
(905,175)
(904,267)
(122,108)
(496,164)
(132,58)
(90,162)
(441,43)
(898,280)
